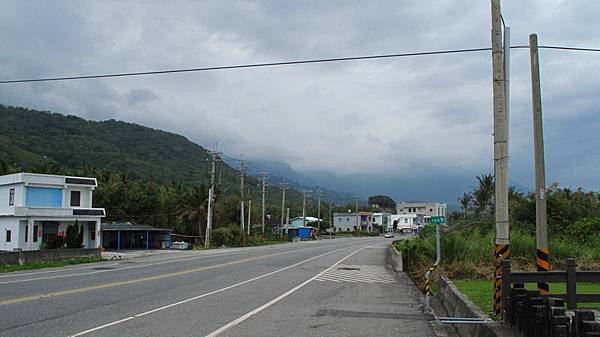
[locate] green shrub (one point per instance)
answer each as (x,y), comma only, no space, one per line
(584,229)
(222,236)
(74,236)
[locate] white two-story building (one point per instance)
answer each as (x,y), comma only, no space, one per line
(35,208)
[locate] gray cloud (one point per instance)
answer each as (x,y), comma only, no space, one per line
(380,117)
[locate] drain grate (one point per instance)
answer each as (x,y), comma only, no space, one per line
(103,268)
(349,268)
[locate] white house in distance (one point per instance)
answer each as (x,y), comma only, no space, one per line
(37,207)
(407,222)
(424,209)
(383,219)
(351,222)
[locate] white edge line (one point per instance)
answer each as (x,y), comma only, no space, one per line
(276,299)
(203,295)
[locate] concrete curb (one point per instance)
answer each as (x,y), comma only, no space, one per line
(394,258)
(459,305)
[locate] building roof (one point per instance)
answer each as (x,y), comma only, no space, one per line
(46,179)
(128,226)
(353,213)
(308,219)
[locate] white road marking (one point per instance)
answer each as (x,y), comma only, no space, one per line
(136,266)
(277,299)
(358,273)
(203,295)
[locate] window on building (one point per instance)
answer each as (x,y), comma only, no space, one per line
(35,233)
(75,198)
(8,235)
(11,197)
(405,220)
(431,210)
(26,233)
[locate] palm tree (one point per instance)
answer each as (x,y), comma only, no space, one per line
(484,193)
(195,201)
(465,201)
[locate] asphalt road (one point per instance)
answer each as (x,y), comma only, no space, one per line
(335,287)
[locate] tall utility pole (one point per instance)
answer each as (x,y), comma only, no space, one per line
(283,186)
(501,250)
(304,195)
(287,219)
(330,222)
(242,213)
(215,156)
(249,210)
(356,198)
(541,217)
(263,177)
(319,211)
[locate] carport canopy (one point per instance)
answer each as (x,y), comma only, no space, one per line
(134,236)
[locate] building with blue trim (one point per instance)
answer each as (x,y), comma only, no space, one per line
(35,209)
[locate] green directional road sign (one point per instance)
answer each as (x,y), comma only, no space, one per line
(438,220)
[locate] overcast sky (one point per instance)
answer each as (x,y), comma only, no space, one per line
(405,117)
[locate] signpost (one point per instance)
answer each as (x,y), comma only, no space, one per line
(438,220)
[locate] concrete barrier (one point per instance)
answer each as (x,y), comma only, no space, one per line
(458,304)
(46,255)
(395,258)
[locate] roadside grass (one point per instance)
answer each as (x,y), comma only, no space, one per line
(51,264)
(480,292)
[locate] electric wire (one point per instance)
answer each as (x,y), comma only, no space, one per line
(283,63)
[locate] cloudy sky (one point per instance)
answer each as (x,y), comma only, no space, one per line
(426,119)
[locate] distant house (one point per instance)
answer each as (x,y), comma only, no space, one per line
(408,223)
(424,209)
(383,220)
(352,222)
(299,222)
(36,208)
(302,228)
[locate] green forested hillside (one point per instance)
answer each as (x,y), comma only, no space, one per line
(145,175)
(34,140)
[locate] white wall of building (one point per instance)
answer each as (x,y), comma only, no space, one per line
(12,225)
(5,208)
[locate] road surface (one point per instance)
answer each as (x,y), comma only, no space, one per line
(335,287)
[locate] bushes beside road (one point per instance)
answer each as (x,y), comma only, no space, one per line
(467,249)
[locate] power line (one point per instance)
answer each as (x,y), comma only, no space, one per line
(283,63)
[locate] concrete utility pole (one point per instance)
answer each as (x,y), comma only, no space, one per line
(242,213)
(501,250)
(283,186)
(215,157)
(304,195)
(356,198)
(287,219)
(330,222)
(318,211)
(541,217)
(263,176)
(249,210)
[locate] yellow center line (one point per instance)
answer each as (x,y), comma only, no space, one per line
(127,282)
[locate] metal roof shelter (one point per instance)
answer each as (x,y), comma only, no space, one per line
(135,236)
